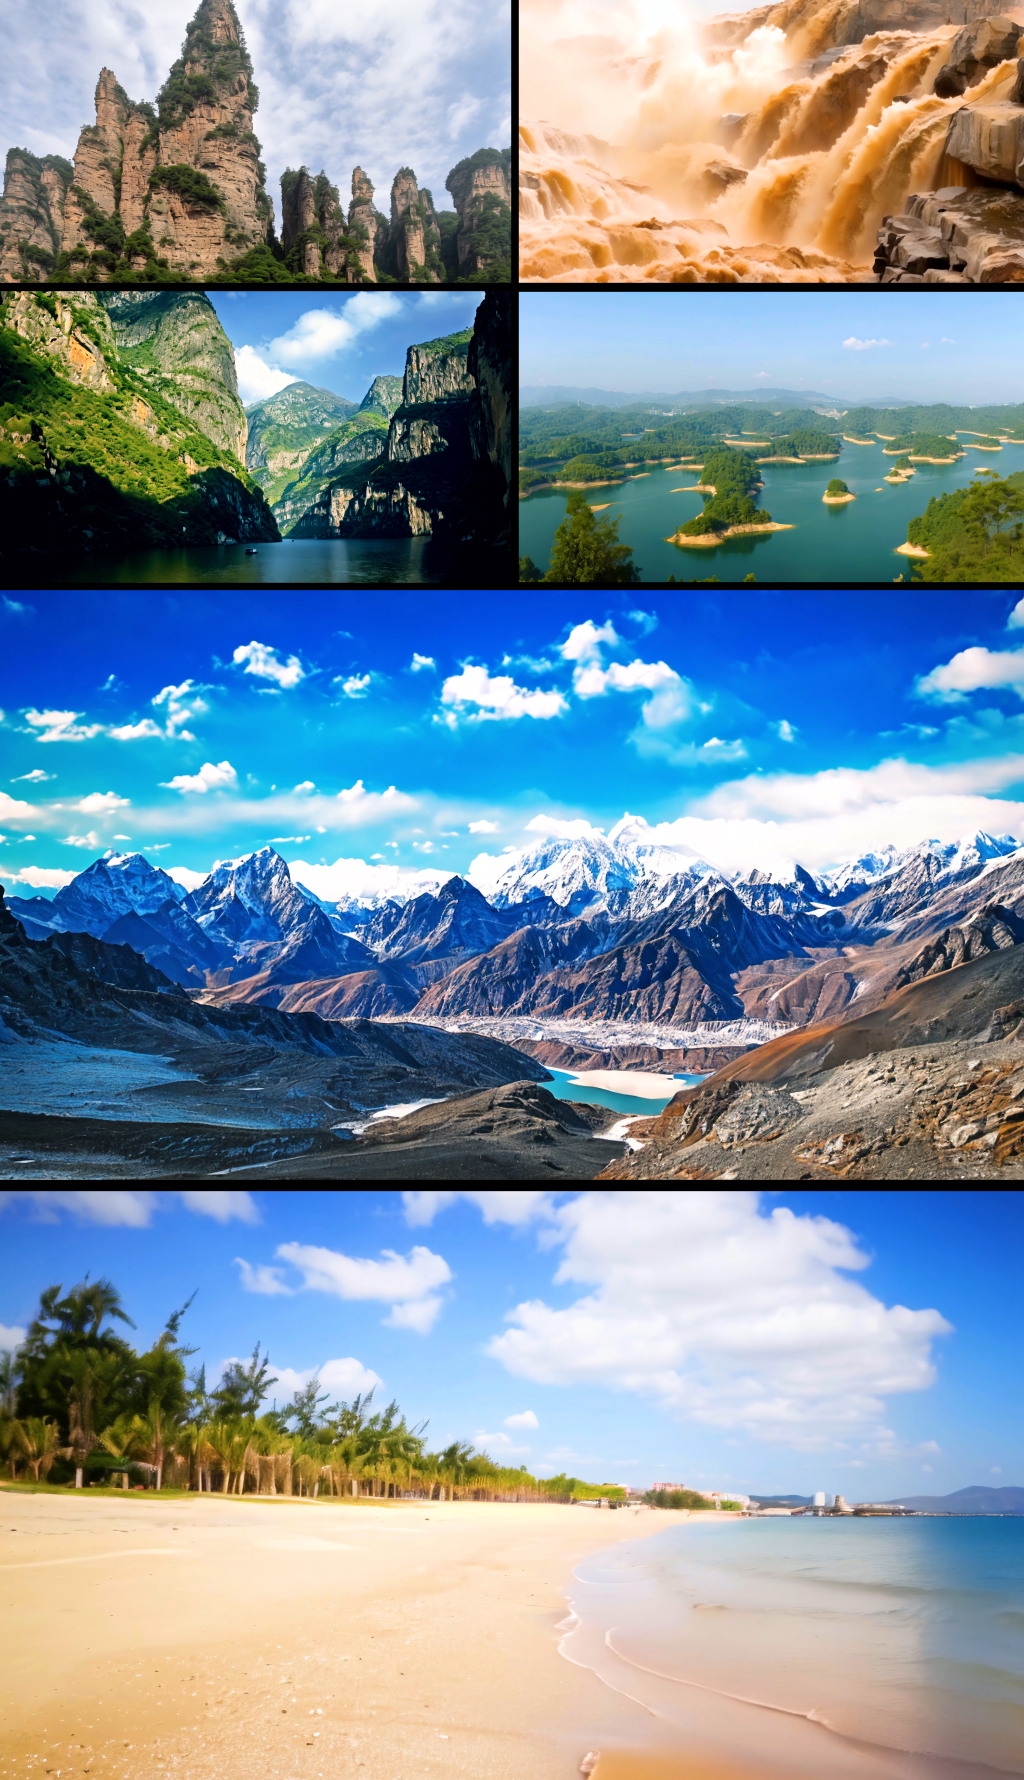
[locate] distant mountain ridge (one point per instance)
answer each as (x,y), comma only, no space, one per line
(977,1498)
(553,395)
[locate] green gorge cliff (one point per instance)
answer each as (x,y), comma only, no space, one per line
(284,428)
(99,452)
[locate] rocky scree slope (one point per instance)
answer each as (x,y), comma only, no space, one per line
(931,1084)
(179,188)
(353,1065)
(101,448)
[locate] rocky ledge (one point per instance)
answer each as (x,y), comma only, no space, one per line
(954,236)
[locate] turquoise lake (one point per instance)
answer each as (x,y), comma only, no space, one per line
(855,542)
(564,1086)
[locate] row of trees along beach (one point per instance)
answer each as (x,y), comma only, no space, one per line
(79,1407)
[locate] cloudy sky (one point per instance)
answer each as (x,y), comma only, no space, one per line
(363,738)
(857,348)
(416,83)
(337,343)
(861,1342)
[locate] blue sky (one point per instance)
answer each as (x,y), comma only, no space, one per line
(404,83)
(622,1337)
(336,343)
(855,347)
(365,737)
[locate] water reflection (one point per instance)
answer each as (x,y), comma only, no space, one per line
(378,562)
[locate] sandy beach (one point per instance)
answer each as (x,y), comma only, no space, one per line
(213,1636)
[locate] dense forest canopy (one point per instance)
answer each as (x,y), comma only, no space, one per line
(79,1405)
(973,534)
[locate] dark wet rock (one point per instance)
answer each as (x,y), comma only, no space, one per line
(973,51)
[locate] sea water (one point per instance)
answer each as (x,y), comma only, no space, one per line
(895,1643)
(854,542)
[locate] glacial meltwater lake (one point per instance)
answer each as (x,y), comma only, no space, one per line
(381,562)
(854,542)
(567,1084)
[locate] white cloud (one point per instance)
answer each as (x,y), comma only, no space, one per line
(421,662)
(11,1337)
(13,807)
(39,877)
(462,113)
(855,345)
(262,660)
(647,621)
(182,703)
(346,1378)
(820,818)
(132,1209)
(35,777)
(786,731)
(585,641)
(323,333)
(14,609)
(408,1283)
(501,1446)
(304,785)
(513,1209)
(356,878)
(268,1281)
(134,732)
(356,686)
(483,828)
(91,841)
(256,379)
(496,697)
(592,680)
(736,1320)
(189,880)
(996,1470)
(420,1316)
(208,778)
(574,828)
(971,669)
(1016,618)
(61,726)
(526,1420)
(284,840)
(100,803)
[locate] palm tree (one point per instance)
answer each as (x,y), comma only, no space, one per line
(12,1445)
(125,1439)
(228,1442)
(40,1442)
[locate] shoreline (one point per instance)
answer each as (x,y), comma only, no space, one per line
(837,500)
(709,539)
(224,1635)
(911,550)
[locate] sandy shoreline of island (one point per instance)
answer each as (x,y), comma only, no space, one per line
(707,540)
(911,550)
(233,1636)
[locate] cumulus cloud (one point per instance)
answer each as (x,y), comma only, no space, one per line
(514,1209)
(526,1420)
(11,808)
(208,778)
(39,877)
(731,1318)
(132,1209)
(1016,618)
(483,828)
(786,731)
(422,663)
(100,803)
(647,621)
(585,640)
(574,828)
(323,333)
(61,726)
(11,1337)
(256,379)
(268,1281)
(855,345)
(346,1378)
(971,669)
(182,702)
(260,659)
(358,878)
(408,1283)
(183,875)
(91,840)
(356,686)
(35,777)
(495,697)
(135,732)
(673,700)
(500,1444)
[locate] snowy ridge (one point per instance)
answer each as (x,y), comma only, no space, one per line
(611,1034)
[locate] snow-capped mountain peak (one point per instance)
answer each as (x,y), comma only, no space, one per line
(255,892)
(117,884)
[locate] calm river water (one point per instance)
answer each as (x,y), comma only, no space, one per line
(855,542)
(382,562)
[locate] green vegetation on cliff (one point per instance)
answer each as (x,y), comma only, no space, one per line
(189,184)
(446,342)
(74,469)
(973,534)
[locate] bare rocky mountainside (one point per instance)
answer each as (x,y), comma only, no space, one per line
(175,192)
(869,1019)
(429,455)
(120,425)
